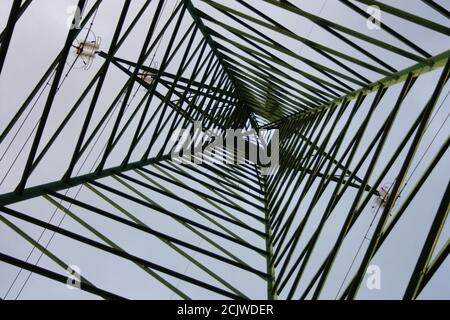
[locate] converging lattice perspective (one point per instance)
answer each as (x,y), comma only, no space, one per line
(224,149)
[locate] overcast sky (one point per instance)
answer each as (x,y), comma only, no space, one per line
(40,35)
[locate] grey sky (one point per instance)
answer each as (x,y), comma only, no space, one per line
(39,36)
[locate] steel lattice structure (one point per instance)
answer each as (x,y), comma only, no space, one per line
(347,123)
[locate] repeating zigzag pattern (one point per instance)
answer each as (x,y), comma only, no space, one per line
(87,175)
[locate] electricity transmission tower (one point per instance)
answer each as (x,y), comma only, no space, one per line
(362,184)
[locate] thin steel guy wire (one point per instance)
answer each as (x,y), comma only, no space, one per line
(29,136)
(403,187)
(82,165)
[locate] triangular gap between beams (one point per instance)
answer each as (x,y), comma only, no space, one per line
(243,112)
